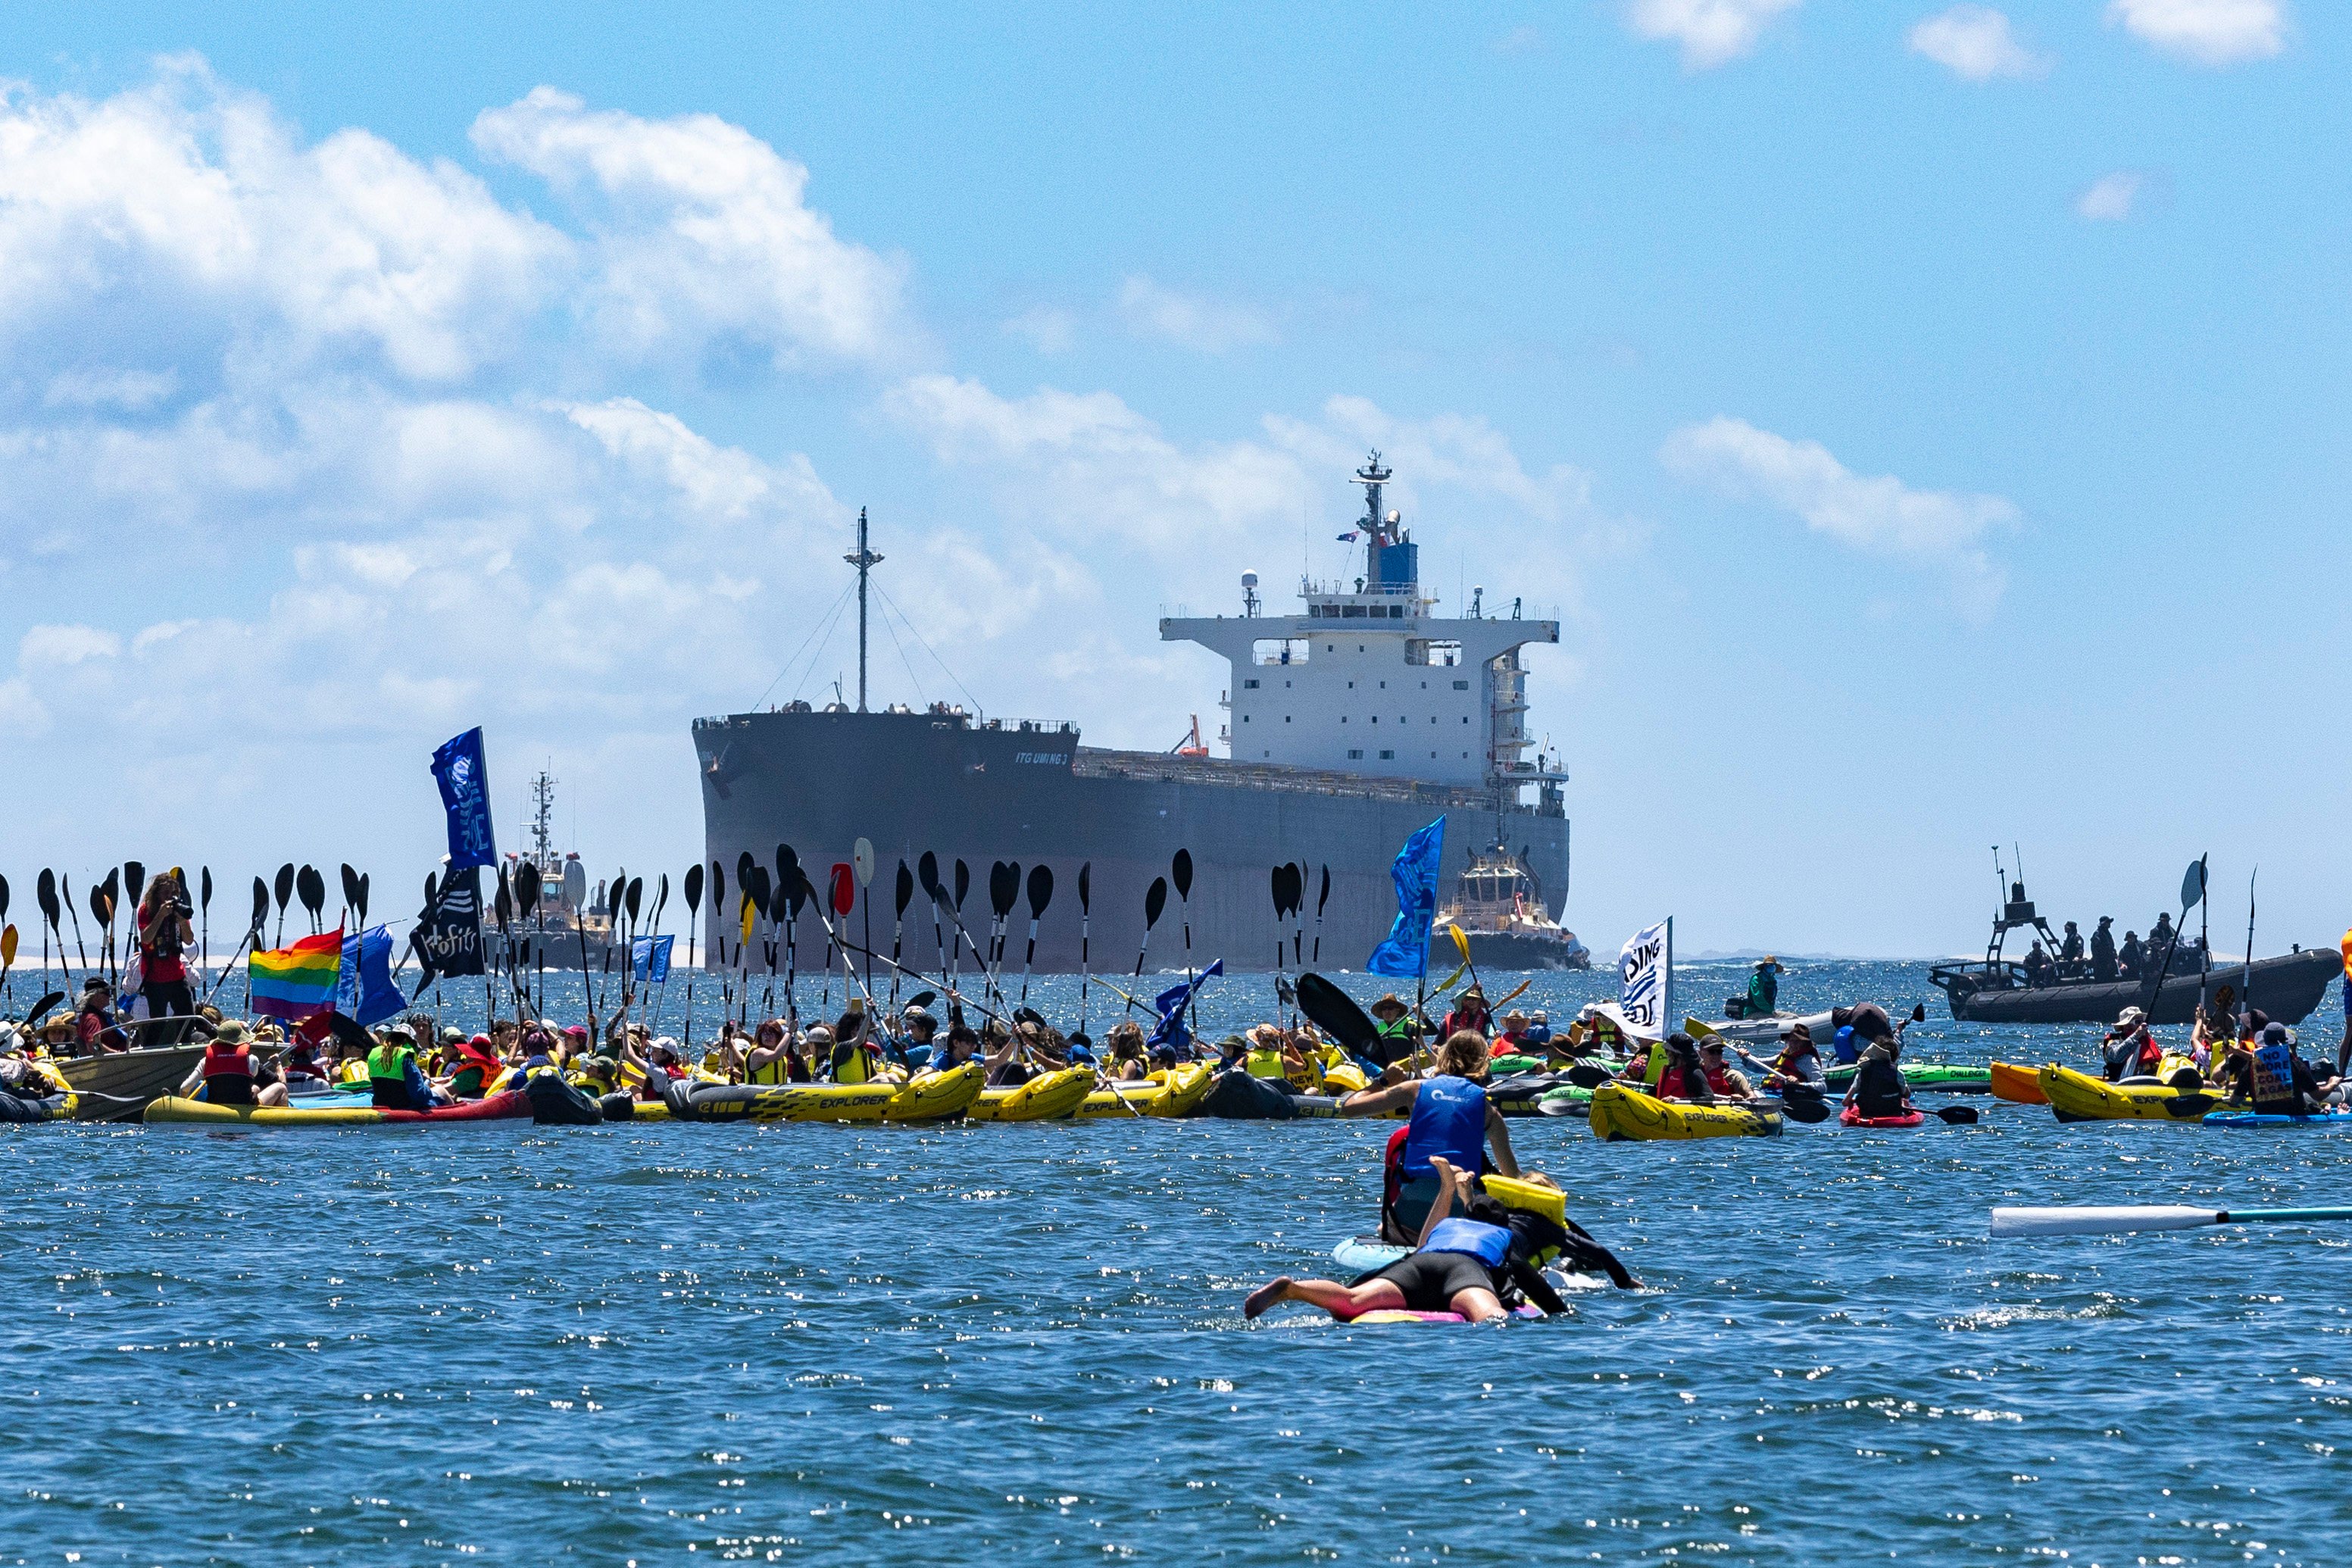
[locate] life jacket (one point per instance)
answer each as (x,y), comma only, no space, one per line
(388,1067)
(228,1075)
(1489,1244)
(1449,1118)
(767,1072)
(1670,1085)
(475,1075)
(1264,1062)
(1717,1078)
(853,1063)
(2151,1053)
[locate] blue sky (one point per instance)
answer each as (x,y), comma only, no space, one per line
(1925,419)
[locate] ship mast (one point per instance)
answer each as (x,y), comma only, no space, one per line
(542,815)
(864,560)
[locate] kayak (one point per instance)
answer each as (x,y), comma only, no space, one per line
(1170,1092)
(2018,1085)
(2078,1097)
(2264,1118)
(172,1108)
(1048,1097)
(926,1097)
(1236,1096)
(58,1107)
(1620,1114)
(1852,1116)
(1950,1077)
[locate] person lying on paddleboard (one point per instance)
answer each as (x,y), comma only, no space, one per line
(1466,1265)
(1878,1090)
(1449,1118)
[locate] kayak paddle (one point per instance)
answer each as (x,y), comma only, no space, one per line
(2092,1221)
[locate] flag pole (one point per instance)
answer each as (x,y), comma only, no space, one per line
(1666,1025)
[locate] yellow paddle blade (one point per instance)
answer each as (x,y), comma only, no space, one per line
(1696,1029)
(751,913)
(8,946)
(1461,943)
(1515,993)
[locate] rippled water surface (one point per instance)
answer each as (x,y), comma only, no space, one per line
(659,1344)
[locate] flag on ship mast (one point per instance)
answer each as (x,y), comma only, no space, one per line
(1406,951)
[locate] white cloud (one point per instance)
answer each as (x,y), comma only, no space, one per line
(1878,514)
(1711,32)
(65,646)
(1975,43)
(1189,320)
(2111,198)
(2205,32)
(1048,328)
(701,235)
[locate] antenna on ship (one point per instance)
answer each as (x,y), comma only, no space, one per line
(864,560)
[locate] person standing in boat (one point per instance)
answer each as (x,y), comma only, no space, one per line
(2102,949)
(2070,954)
(2160,942)
(164,936)
(2128,958)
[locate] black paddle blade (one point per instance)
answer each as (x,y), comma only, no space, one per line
(744,866)
(1181,869)
(661,899)
(1918,1012)
(284,885)
(903,890)
(799,893)
(1274,881)
(134,881)
(615,894)
(636,898)
(351,885)
(45,892)
(1809,1108)
(3,897)
(920,999)
(1335,1013)
(1003,886)
(503,904)
(759,888)
(526,887)
(204,881)
(1588,1075)
(362,905)
(348,1033)
(1961,1115)
(927,876)
(1086,886)
(1325,896)
(718,887)
(788,865)
(1041,889)
(113,886)
(312,888)
(1155,898)
(963,884)
(41,1007)
(432,891)
(99,908)
(261,903)
(694,890)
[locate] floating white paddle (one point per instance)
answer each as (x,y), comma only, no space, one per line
(2149,1216)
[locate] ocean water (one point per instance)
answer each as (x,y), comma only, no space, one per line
(640,1344)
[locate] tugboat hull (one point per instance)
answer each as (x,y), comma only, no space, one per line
(2286,988)
(1500,950)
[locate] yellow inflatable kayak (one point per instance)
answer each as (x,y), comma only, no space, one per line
(926,1097)
(1048,1097)
(1174,1091)
(2079,1097)
(1621,1114)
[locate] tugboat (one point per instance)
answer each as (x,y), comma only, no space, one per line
(1994,990)
(569,928)
(1499,908)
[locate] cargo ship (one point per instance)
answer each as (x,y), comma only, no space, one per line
(1353,722)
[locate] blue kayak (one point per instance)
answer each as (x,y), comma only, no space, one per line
(2256,1118)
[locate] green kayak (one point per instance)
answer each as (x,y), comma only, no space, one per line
(1949,1077)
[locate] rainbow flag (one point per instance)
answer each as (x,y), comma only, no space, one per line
(298,981)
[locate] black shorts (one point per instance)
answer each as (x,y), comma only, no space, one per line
(1431,1280)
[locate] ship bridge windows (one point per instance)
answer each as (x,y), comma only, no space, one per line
(1431,650)
(1278,650)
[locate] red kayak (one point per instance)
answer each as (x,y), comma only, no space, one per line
(1852,1116)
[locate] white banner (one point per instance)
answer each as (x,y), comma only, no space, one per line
(1642,970)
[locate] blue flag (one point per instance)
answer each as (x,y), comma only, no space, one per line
(650,957)
(465,781)
(363,990)
(1172,1003)
(1406,951)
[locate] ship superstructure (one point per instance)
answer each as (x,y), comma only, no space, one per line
(1351,724)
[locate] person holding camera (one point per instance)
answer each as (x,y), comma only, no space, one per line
(164,933)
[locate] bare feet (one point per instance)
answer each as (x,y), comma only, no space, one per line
(1266,1295)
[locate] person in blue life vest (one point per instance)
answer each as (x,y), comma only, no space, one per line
(1449,1116)
(1466,1265)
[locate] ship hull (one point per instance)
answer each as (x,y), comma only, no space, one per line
(916,783)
